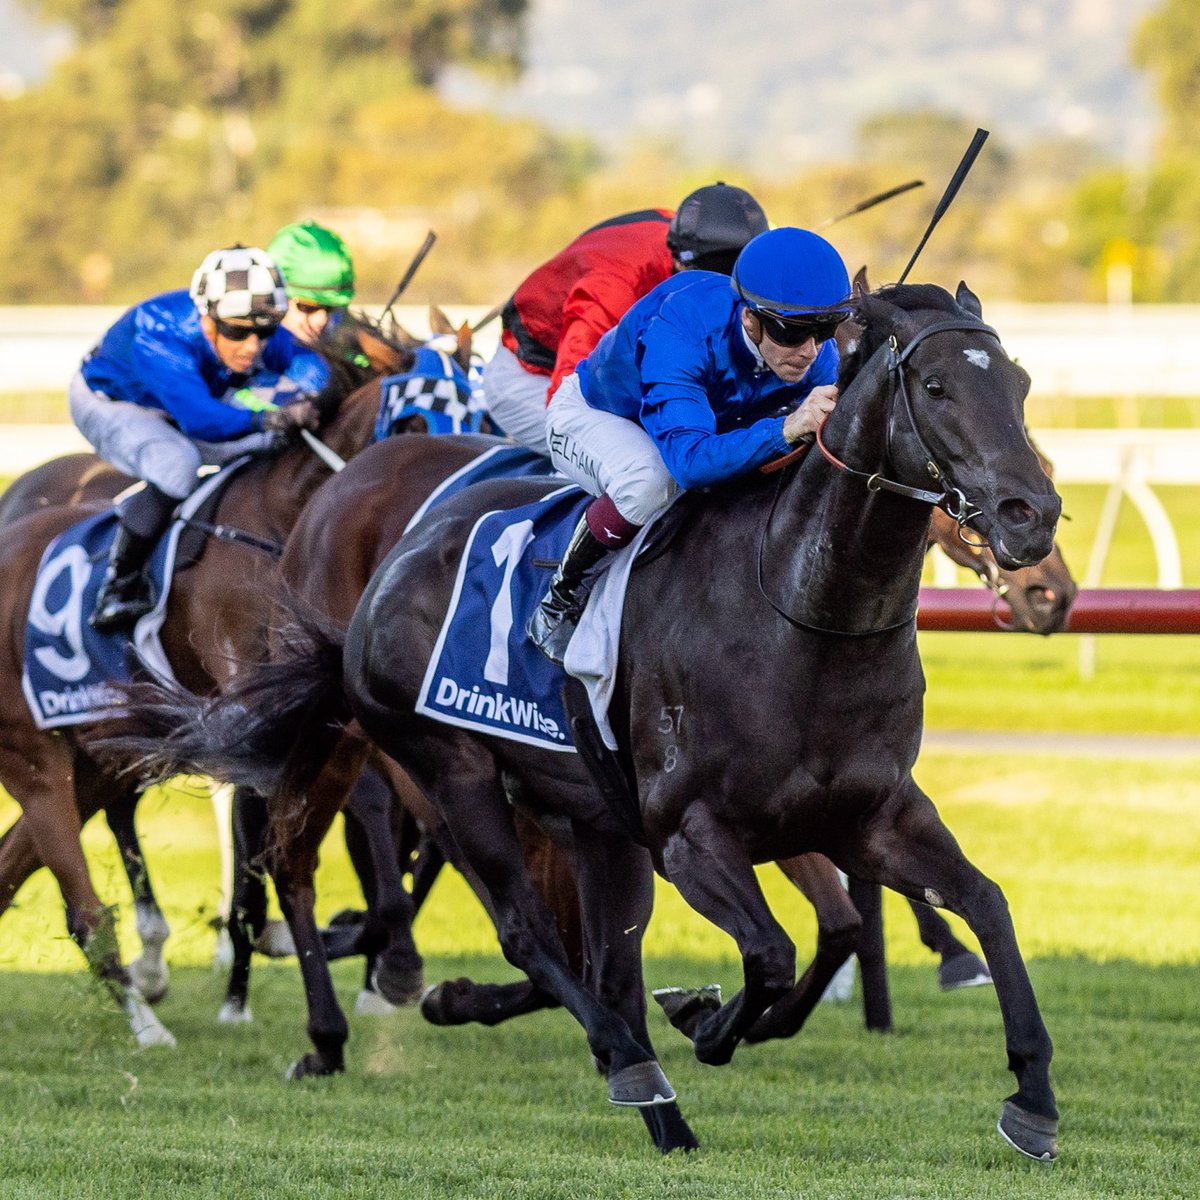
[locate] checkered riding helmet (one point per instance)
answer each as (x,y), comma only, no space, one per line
(240,283)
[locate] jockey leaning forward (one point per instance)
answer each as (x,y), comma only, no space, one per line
(684,393)
(562,309)
(318,274)
(168,389)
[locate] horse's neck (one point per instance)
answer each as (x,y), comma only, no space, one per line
(837,556)
(293,477)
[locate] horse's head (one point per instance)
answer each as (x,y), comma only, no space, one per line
(1033,599)
(955,424)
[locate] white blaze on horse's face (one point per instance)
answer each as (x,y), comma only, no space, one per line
(980,358)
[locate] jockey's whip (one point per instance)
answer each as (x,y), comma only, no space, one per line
(948,195)
(331,458)
(413,267)
(871,201)
(487,318)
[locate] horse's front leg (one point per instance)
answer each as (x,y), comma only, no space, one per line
(149,970)
(911,850)
(248,899)
(616,898)
(399,970)
(38,771)
(713,872)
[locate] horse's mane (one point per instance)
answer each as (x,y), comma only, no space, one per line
(908,297)
(349,367)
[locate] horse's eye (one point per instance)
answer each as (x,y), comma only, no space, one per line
(933,385)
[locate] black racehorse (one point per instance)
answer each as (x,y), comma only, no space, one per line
(768,703)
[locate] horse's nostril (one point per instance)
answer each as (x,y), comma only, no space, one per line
(1017,513)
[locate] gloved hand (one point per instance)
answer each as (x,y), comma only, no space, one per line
(300,415)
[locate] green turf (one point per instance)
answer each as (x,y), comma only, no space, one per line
(1098,862)
(1097,858)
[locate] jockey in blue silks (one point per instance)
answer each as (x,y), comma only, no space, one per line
(181,380)
(683,394)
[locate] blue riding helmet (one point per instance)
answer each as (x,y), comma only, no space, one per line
(437,389)
(792,272)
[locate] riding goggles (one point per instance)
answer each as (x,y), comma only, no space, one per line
(242,333)
(795,331)
(309,307)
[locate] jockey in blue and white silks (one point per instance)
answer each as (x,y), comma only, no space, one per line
(186,379)
(685,392)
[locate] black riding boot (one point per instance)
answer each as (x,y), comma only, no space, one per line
(126,595)
(556,616)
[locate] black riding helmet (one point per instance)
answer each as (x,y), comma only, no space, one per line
(712,225)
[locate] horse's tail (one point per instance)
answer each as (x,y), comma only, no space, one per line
(271,730)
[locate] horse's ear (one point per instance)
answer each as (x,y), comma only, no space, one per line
(861,285)
(439,323)
(968,300)
(462,355)
(383,355)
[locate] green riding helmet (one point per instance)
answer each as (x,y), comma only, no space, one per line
(315,263)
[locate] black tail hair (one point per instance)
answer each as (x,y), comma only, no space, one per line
(270,731)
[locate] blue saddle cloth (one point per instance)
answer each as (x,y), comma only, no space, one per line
(70,668)
(484,673)
(501,462)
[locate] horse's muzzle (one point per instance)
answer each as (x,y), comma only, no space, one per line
(1021,533)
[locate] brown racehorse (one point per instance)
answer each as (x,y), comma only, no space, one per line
(86,479)
(215,617)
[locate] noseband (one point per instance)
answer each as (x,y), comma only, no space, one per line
(951,498)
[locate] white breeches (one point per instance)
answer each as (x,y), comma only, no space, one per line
(517,399)
(608,455)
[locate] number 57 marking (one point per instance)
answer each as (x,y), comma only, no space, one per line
(670,718)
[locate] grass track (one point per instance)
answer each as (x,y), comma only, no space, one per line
(1098,862)
(1098,859)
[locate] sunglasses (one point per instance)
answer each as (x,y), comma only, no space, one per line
(308,308)
(795,331)
(242,333)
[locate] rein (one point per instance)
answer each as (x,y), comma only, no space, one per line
(227,533)
(950,498)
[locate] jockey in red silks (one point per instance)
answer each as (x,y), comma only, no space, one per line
(560,312)
(686,392)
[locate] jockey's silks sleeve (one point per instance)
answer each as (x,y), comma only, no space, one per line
(156,355)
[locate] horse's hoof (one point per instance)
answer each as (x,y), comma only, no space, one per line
(640,1086)
(276,940)
(668,1130)
(841,986)
(147,1029)
(435,1003)
(235,1012)
(311,1066)
(371,1004)
(1029,1134)
(400,985)
(151,978)
(686,1008)
(963,971)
